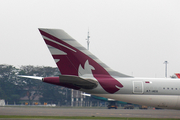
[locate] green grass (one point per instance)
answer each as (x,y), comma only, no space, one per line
(80,117)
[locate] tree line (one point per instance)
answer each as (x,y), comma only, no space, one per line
(13,88)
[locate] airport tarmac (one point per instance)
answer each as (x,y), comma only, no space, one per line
(45,111)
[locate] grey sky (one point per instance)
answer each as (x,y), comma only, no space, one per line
(133,37)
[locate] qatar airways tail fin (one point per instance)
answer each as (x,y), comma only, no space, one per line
(72,58)
(178,75)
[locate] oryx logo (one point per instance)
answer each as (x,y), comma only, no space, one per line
(87,69)
(108,83)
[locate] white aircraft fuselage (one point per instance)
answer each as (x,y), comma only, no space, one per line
(157,92)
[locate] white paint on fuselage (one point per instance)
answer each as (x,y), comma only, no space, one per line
(160,101)
(159,92)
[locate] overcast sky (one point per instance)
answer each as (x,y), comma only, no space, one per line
(134,37)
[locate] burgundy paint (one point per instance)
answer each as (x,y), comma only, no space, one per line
(69,64)
(56,81)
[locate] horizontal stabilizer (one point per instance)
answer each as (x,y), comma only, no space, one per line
(31,77)
(67,80)
(79,82)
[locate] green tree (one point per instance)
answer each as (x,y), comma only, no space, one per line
(9,90)
(50,93)
(12,88)
(32,88)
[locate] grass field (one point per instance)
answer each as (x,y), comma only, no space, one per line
(79,117)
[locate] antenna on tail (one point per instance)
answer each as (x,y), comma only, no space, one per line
(88,41)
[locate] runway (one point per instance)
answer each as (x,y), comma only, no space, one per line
(45,111)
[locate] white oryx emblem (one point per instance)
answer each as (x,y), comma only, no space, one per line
(87,69)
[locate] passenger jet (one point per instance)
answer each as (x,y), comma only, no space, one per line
(81,70)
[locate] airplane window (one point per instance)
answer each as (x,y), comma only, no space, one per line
(163,87)
(168,88)
(176,88)
(171,88)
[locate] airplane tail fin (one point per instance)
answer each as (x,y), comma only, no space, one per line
(178,75)
(72,58)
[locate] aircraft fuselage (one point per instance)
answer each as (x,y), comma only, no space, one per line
(162,93)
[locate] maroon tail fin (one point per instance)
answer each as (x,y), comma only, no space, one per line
(73,59)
